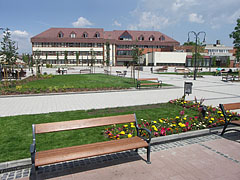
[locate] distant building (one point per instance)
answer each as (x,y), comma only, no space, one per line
(55,45)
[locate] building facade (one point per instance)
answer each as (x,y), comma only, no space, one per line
(89,46)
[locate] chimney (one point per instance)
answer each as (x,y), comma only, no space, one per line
(218,42)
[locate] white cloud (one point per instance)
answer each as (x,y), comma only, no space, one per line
(22,39)
(82,22)
(149,20)
(20,34)
(193,17)
(116,23)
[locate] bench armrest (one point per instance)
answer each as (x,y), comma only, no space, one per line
(149,134)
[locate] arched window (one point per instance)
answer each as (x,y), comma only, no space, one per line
(97,35)
(85,34)
(60,34)
(162,38)
(141,38)
(151,38)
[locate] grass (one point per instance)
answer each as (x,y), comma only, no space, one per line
(16,131)
(72,82)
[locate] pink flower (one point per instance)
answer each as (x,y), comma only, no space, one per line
(196,117)
(156,134)
(182,113)
(163,132)
(187,124)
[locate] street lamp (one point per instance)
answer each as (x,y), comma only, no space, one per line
(196,41)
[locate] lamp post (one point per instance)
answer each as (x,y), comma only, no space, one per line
(196,41)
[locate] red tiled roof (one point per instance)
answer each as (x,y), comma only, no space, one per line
(51,35)
(53,32)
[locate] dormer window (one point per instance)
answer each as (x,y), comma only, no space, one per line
(97,35)
(162,38)
(85,35)
(141,38)
(72,35)
(60,35)
(151,38)
(125,36)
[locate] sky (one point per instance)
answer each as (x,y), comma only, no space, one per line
(175,18)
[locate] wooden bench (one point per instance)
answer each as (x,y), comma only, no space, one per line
(163,69)
(227,77)
(85,71)
(52,156)
(229,120)
(120,73)
(142,82)
(106,72)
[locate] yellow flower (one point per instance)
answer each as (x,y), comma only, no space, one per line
(132,126)
(122,132)
(129,135)
(161,121)
(125,125)
(184,118)
(174,125)
(155,122)
(219,112)
(206,117)
(221,115)
(210,121)
(177,117)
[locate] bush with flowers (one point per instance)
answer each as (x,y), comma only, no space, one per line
(182,122)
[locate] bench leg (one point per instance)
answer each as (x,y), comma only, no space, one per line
(224,128)
(148,154)
(136,150)
(33,173)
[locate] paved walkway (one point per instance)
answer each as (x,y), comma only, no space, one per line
(211,88)
(207,157)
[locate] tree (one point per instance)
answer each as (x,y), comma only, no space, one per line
(37,58)
(236,36)
(190,43)
(108,53)
(77,58)
(136,53)
(65,57)
(8,48)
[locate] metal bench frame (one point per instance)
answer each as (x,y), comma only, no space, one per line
(228,119)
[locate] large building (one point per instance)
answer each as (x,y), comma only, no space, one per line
(90,45)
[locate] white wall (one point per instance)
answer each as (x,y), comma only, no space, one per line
(169,57)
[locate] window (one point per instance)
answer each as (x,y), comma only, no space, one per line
(97,35)
(125,36)
(60,35)
(85,35)
(151,38)
(162,38)
(73,35)
(141,38)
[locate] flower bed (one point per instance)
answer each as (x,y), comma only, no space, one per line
(207,117)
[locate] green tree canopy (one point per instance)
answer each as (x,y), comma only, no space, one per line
(8,48)
(236,36)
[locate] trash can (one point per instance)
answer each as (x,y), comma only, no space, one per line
(188,88)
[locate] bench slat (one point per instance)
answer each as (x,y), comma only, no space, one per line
(85,123)
(150,84)
(147,79)
(88,150)
(231,106)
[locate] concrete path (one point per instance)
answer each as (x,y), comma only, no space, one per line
(211,88)
(208,157)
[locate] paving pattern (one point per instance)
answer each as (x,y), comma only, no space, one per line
(61,167)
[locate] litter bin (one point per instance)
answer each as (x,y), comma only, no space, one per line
(188,88)
(151,69)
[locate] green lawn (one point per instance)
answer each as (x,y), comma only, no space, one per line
(73,82)
(16,131)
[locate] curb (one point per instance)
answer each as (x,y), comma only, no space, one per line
(86,92)
(20,164)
